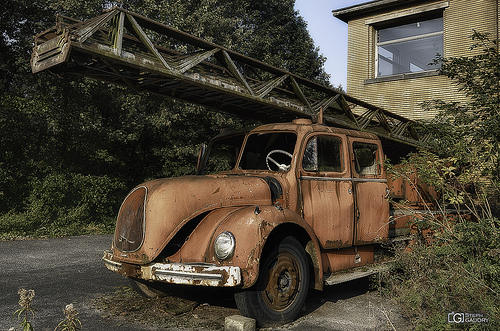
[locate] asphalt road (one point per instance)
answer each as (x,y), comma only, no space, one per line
(69,270)
(60,271)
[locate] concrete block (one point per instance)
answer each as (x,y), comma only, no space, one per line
(239,323)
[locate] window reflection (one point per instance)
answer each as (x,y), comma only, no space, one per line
(323,153)
(409,47)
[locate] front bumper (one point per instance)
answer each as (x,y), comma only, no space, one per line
(204,274)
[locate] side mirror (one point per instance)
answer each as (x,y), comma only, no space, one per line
(201,157)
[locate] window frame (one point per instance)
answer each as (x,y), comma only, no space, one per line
(402,17)
(375,159)
(422,37)
(344,158)
(256,133)
(379,156)
(208,155)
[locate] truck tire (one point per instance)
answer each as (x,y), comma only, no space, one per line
(281,289)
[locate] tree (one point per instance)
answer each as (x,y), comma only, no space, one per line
(71,147)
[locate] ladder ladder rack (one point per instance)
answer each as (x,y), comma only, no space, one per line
(128,49)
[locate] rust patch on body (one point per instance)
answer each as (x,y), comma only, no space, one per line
(330,244)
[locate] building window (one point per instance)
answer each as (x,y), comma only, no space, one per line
(409,47)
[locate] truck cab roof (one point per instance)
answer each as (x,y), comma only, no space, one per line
(299,125)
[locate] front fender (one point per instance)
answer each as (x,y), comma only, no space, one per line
(251,227)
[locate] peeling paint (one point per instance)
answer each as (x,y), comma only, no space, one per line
(194,274)
(331,212)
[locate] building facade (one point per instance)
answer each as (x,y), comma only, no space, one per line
(392,45)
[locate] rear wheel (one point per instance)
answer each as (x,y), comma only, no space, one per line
(281,289)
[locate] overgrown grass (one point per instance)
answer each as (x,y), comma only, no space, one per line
(459,276)
(451,267)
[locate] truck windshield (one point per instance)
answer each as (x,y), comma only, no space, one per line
(223,154)
(268,151)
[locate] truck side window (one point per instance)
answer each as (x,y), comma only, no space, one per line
(323,153)
(365,158)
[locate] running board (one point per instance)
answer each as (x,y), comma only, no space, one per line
(356,273)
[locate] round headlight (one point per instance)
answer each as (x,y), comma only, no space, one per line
(224,245)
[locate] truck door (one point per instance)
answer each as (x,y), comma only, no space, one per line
(325,182)
(370,189)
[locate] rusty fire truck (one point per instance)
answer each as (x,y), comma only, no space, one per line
(273,210)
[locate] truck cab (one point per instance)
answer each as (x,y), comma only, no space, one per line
(273,211)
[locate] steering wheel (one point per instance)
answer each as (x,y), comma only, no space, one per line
(281,167)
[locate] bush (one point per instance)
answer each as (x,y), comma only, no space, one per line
(452,264)
(65,204)
(460,275)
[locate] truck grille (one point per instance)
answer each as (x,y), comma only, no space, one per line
(129,233)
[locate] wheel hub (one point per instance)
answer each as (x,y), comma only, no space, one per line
(283,282)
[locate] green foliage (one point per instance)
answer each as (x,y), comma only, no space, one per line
(472,126)
(270,31)
(62,204)
(71,147)
(454,274)
(453,262)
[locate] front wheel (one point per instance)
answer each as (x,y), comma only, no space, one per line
(281,289)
